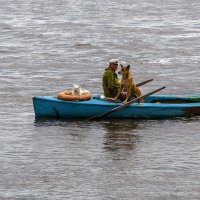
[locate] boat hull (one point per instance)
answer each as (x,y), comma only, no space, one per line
(160,106)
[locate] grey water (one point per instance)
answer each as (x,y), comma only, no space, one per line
(45,47)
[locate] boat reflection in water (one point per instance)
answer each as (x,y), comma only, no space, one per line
(121,135)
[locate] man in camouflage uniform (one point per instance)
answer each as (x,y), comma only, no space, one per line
(110,79)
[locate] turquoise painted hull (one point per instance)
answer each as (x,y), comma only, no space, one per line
(155,106)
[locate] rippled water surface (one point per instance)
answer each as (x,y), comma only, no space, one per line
(45,47)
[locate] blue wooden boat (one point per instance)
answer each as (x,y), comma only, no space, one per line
(154,106)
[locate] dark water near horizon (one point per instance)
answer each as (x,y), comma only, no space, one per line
(45,47)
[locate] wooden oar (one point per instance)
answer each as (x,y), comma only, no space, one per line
(125,105)
(144,82)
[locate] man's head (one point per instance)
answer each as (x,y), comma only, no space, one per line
(113,64)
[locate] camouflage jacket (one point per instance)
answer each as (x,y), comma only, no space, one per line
(110,83)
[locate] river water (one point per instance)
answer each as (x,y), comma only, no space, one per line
(45,47)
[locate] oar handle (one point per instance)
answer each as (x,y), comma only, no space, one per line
(142,97)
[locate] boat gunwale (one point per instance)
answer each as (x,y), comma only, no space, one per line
(95,102)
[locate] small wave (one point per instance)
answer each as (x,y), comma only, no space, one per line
(180,59)
(161,61)
(5,51)
(83,45)
(184,35)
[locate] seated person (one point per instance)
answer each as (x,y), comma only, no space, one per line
(110,81)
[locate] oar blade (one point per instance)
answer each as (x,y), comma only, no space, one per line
(144,82)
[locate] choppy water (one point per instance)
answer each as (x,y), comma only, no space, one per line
(45,47)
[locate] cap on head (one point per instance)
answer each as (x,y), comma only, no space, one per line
(114,61)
